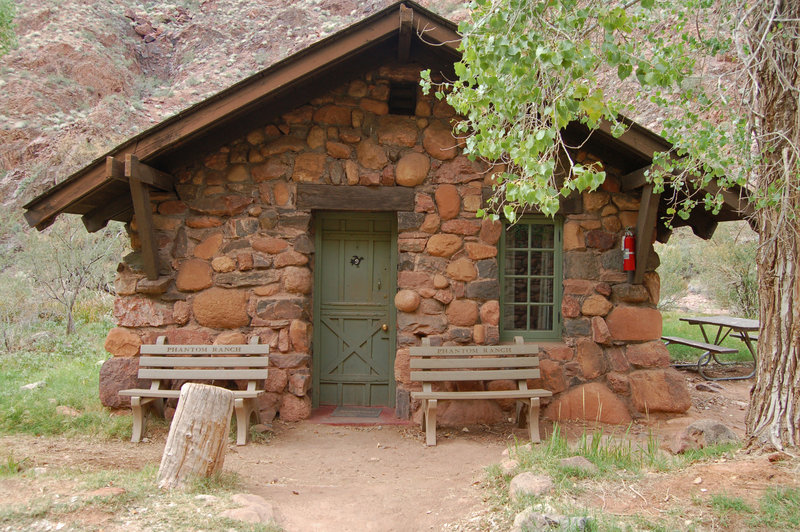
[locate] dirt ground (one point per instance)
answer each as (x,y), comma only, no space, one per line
(323,477)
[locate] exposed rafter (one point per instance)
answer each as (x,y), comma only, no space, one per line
(138,175)
(404,38)
(645,227)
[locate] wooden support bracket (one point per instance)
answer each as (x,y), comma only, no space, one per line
(645,227)
(140,194)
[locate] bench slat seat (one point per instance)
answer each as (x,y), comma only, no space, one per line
(477,394)
(699,345)
(160,362)
(476,363)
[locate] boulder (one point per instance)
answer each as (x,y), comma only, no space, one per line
(443,245)
(371,155)
(121,342)
(412,169)
(703,433)
(462,312)
(438,141)
(529,484)
(193,275)
(490,313)
(294,408)
(659,390)
(407,300)
(462,270)
(648,355)
(119,374)
(634,324)
(298,280)
(590,358)
(448,201)
(590,402)
(221,308)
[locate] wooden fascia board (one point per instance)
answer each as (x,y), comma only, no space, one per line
(645,226)
(358,198)
(432,32)
(404,35)
(636,139)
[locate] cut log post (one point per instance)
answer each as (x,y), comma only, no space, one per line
(198,435)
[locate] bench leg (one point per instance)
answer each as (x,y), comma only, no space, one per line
(245,408)
(429,421)
(138,419)
(533,420)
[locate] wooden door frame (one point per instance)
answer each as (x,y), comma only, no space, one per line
(318,216)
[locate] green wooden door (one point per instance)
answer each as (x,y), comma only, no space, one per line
(354,319)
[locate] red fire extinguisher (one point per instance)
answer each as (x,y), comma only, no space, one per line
(628,252)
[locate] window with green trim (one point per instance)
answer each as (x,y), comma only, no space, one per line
(531,279)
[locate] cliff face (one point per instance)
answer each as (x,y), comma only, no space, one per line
(87,75)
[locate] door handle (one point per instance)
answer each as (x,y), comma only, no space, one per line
(385,327)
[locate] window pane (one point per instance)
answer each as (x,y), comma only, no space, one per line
(515,317)
(541,291)
(542,235)
(516,263)
(517,236)
(520,290)
(541,317)
(541,263)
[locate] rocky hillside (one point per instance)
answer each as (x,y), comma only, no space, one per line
(88,74)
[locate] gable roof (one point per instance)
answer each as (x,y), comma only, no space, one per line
(403,31)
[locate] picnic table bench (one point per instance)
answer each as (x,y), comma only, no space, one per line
(164,363)
(477,363)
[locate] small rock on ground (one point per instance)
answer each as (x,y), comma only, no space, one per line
(529,484)
(702,433)
(580,463)
(254,509)
(508,466)
(529,519)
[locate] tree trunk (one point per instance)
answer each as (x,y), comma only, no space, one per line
(773,420)
(198,435)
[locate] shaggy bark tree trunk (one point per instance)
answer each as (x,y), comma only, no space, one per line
(198,435)
(773,420)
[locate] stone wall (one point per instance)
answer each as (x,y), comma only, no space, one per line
(237,260)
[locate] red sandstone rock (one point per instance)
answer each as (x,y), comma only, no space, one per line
(223,264)
(573,237)
(590,358)
(171,207)
(221,308)
(203,222)
(308,167)
(490,231)
(295,408)
(460,170)
(579,287)
(557,351)
(118,373)
(600,332)
(599,239)
(298,280)
(430,224)
(448,201)
(338,150)
(298,336)
(374,106)
(648,355)
(273,168)
(443,245)
(269,244)
(238,173)
(462,270)
(245,261)
(618,383)
(412,169)
(221,206)
(424,203)
(594,201)
(402,369)
(300,115)
(634,324)
(230,338)
(440,281)
(299,384)
(141,312)
(552,376)
(315,138)
(193,275)
(477,251)
(332,115)
(276,380)
(590,402)
(181,312)
(616,359)
(208,247)
(659,390)
(439,142)
(570,308)
(653,284)
(490,313)
(289,258)
(462,312)
(479,334)
(371,155)
(406,300)
(596,305)
(121,342)
(281,193)
(458,414)
(461,226)
(397,130)
(414,280)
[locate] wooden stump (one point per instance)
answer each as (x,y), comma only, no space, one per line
(198,435)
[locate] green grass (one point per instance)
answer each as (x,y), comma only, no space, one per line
(779,510)
(672,326)
(69,368)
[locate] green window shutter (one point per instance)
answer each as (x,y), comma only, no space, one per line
(531,277)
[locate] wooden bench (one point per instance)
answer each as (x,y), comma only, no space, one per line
(709,351)
(163,363)
(477,363)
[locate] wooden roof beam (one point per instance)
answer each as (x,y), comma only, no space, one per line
(645,227)
(404,34)
(119,209)
(138,174)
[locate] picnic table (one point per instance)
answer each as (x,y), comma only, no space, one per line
(715,330)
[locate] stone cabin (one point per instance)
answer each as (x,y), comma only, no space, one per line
(324,206)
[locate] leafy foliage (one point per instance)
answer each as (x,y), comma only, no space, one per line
(7,37)
(530,68)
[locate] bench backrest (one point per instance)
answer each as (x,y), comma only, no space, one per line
(204,362)
(473,363)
